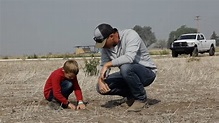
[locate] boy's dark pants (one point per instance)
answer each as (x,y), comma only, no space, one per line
(66,90)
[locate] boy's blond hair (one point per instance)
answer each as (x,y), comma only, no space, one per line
(71,66)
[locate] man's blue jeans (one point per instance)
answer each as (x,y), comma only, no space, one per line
(66,90)
(130,81)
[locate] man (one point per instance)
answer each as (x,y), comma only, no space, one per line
(126,50)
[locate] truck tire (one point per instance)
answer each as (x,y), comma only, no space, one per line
(195,52)
(174,53)
(190,54)
(211,51)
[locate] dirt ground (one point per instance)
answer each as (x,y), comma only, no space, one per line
(185,91)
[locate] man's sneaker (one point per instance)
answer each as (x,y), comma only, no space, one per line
(130,101)
(121,101)
(125,100)
(54,105)
(136,106)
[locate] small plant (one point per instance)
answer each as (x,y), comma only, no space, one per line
(90,67)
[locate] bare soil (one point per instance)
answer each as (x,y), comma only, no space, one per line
(185,91)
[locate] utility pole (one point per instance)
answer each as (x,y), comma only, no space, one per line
(197,18)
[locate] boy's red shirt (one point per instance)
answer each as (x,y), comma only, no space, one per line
(54,83)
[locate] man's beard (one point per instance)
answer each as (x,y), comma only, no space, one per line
(114,44)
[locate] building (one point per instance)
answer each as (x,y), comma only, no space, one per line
(85,49)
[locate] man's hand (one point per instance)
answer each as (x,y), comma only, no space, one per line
(71,106)
(103,87)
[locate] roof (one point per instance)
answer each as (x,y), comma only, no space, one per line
(192,34)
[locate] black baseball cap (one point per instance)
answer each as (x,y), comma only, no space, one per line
(101,33)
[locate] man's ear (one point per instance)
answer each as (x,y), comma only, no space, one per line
(63,70)
(111,35)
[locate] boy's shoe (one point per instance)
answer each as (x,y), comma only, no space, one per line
(54,105)
(137,106)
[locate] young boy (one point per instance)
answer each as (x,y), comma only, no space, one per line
(61,83)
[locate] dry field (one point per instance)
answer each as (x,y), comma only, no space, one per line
(185,91)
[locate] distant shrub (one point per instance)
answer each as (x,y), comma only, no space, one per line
(87,55)
(5,57)
(64,56)
(217,49)
(164,52)
(90,67)
(34,56)
(192,59)
(159,52)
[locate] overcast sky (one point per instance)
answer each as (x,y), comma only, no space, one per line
(57,26)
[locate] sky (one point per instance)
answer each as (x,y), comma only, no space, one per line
(57,26)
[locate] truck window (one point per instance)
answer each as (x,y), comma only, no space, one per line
(187,37)
(201,37)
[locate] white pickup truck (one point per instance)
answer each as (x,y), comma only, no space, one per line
(192,43)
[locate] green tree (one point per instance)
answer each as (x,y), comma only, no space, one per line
(175,34)
(146,34)
(214,36)
(160,44)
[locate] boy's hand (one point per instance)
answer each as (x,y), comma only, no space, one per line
(71,106)
(81,106)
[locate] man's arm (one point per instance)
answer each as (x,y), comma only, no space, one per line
(132,42)
(104,69)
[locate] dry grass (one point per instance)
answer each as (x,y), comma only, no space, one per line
(217,49)
(185,91)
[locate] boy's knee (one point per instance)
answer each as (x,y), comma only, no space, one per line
(67,84)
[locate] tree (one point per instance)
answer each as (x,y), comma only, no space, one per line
(146,34)
(182,30)
(160,44)
(214,36)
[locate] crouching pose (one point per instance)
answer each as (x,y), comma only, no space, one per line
(126,50)
(61,83)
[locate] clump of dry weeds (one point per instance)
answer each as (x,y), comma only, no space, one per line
(192,59)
